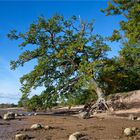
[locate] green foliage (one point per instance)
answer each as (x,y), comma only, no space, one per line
(48,99)
(23,100)
(86,96)
(39,102)
(130,10)
(34,103)
(79,98)
(67,53)
(122,73)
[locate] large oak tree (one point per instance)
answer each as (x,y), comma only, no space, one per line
(67,53)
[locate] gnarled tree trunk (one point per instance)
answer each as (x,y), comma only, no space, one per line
(98,90)
(100,104)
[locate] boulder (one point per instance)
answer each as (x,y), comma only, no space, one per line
(21,137)
(128,132)
(75,136)
(9,116)
(84,115)
(36,126)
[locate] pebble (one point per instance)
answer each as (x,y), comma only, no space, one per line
(21,137)
(128,131)
(75,136)
(36,126)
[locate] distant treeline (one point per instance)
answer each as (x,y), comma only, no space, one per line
(3,105)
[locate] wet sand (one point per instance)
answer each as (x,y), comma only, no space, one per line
(103,128)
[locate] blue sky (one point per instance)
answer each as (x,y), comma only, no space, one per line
(19,14)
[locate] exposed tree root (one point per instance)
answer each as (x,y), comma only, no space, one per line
(98,107)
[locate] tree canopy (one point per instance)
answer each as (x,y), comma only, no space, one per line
(67,53)
(130,10)
(122,73)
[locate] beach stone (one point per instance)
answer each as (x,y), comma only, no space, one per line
(9,116)
(84,115)
(128,131)
(47,127)
(16,115)
(72,137)
(21,137)
(19,114)
(132,117)
(35,114)
(36,126)
(80,111)
(138,119)
(134,129)
(75,136)
(30,114)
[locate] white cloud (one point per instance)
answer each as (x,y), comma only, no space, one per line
(9,83)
